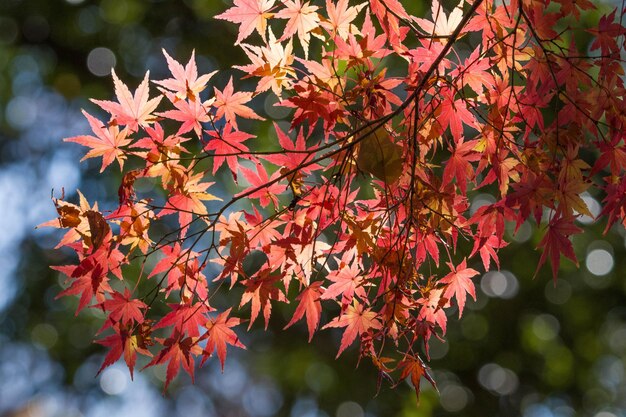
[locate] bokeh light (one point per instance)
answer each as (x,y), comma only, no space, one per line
(599,262)
(501,284)
(114,381)
(101,61)
(349,409)
(501,381)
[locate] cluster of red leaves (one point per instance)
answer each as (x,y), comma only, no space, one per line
(395,122)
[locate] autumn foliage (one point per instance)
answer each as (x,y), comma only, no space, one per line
(358,214)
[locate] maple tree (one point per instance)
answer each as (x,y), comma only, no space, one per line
(360,212)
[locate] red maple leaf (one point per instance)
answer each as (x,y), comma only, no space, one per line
(459,167)
(455,113)
(228,146)
(607,34)
(415,367)
(556,242)
(295,154)
(123,309)
(357,320)
(186,318)
(90,277)
(219,335)
(260,291)
(189,200)
(458,284)
(262,232)
(346,281)
(432,308)
(259,187)
(340,18)
(178,351)
(123,342)
(310,305)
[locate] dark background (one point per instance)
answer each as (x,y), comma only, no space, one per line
(526,347)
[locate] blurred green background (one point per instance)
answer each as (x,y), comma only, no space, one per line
(525,348)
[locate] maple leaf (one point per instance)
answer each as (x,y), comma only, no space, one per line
(543,22)
(250,15)
(531,195)
(303,18)
(340,18)
(259,293)
(310,305)
(107,143)
(607,33)
(189,201)
(228,147)
(475,73)
(134,221)
(357,320)
(132,111)
(124,309)
(219,335)
(415,367)
(272,63)
(90,277)
(185,318)
(458,283)
(186,83)
(192,114)
(358,51)
(389,13)
(570,199)
(488,250)
(570,7)
(346,280)
(231,105)
(262,232)
(294,155)
(172,256)
(556,242)
(258,185)
(614,203)
(459,167)
(443,25)
(454,113)
(73,217)
(90,280)
(178,350)
(432,306)
(122,342)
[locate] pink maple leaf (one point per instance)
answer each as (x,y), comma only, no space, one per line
(107,143)
(357,320)
(185,82)
(303,18)
(230,105)
(250,15)
(131,110)
(459,283)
